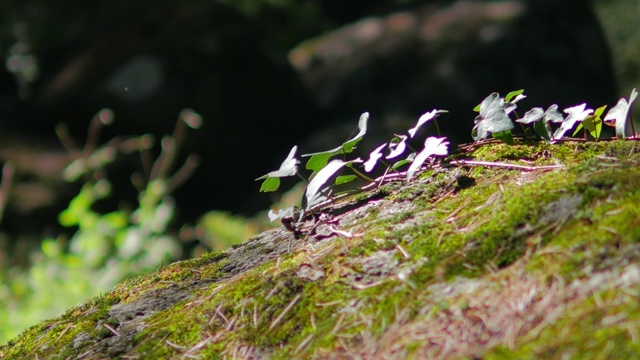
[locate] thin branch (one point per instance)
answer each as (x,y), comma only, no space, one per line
(504,165)
(184,172)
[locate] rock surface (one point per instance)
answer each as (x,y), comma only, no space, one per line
(520,251)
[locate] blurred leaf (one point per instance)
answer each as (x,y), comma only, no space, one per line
(116,219)
(543,129)
(552,114)
(403,162)
(397,148)
(51,248)
(75,170)
(479,131)
(426,117)
(78,206)
(222,229)
(532,115)
(191,118)
(432,146)
(576,114)
(275,215)
(374,156)
(618,114)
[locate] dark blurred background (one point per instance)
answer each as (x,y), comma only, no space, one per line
(269,74)
(266,75)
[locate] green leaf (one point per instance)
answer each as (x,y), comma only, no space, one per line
(318,161)
(512,94)
(592,123)
(579,127)
(116,219)
(543,129)
(504,136)
(599,111)
(401,162)
(51,248)
(78,206)
(477,108)
(344,179)
(270,184)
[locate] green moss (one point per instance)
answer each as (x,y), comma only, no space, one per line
(611,320)
(330,294)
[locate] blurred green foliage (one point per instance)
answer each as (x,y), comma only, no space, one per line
(110,246)
(105,249)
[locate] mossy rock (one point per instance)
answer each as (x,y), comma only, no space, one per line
(524,251)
